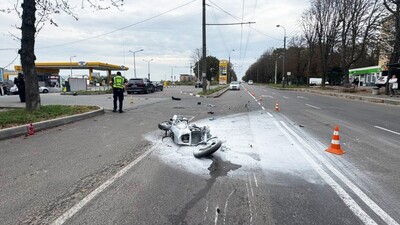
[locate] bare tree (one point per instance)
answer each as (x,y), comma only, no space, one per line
(308,25)
(393,6)
(35,14)
(326,15)
(358,25)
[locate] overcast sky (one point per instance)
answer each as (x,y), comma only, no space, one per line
(169,31)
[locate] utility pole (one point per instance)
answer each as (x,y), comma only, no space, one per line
(276,70)
(148,67)
(284,53)
(204,64)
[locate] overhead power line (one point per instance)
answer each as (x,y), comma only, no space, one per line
(122,28)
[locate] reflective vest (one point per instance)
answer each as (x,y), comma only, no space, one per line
(118,82)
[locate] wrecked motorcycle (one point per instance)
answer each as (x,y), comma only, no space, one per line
(184,133)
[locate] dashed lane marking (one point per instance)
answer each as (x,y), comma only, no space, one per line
(315,107)
(382,128)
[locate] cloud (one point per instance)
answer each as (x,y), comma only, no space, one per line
(168,31)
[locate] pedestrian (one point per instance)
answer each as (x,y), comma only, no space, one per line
(118,84)
(20,82)
(393,85)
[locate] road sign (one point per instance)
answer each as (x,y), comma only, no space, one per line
(289,73)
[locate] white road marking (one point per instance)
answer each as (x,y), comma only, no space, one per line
(205,211)
(216,215)
(262,107)
(259,103)
(249,202)
(72,211)
(302,97)
(353,206)
(270,115)
(267,96)
(255,180)
(285,97)
(226,205)
(394,132)
(251,187)
(315,107)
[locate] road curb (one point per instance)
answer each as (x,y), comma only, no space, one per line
(22,130)
(355,97)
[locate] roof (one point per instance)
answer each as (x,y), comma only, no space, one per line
(365,70)
(76,65)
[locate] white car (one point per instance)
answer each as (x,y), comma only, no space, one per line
(234,85)
(250,82)
(14,89)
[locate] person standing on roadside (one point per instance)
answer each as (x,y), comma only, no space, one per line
(393,85)
(20,82)
(118,85)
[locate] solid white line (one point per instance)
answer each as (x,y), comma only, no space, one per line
(72,211)
(315,107)
(367,200)
(226,205)
(255,179)
(394,132)
(216,215)
(347,199)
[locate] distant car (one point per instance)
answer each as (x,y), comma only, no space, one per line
(14,90)
(139,85)
(381,81)
(234,85)
(43,89)
(158,86)
(198,84)
(250,82)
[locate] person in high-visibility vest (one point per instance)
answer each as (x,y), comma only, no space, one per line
(118,85)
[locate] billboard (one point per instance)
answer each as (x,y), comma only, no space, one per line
(1,75)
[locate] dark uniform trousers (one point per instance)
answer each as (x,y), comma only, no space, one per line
(118,93)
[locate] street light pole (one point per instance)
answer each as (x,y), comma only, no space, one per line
(148,67)
(229,65)
(134,61)
(284,51)
(70,63)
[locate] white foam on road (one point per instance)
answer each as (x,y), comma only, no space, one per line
(251,140)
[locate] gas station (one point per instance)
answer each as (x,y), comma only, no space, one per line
(49,72)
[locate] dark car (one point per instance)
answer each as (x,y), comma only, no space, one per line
(198,84)
(159,86)
(139,85)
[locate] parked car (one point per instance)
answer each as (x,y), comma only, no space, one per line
(139,85)
(381,81)
(43,89)
(14,90)
(159,86)
(250,82)
(198,84)
(234,85)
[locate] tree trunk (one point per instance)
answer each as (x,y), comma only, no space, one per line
(27,53)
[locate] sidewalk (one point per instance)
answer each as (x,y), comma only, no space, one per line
(360,94)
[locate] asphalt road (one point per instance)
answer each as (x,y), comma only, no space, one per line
(272,168)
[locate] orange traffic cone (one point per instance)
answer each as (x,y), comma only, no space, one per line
(277,106)
(335,144)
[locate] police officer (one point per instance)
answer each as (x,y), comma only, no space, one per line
(118,84)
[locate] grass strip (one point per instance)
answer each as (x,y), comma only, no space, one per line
(16,117)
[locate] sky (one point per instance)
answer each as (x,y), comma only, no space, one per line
(169,31)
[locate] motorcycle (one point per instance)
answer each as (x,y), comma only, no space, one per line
(183,132)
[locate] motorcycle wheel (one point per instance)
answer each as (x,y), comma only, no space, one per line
(207,149)
(166,125)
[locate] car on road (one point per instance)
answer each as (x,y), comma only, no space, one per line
(250,82)
(198,84)
(158,86)
(234,85)
(14,90)
(143,85)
